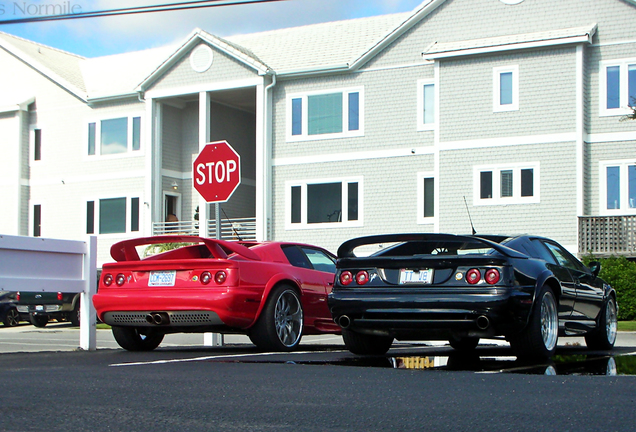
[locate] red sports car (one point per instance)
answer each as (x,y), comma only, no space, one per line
(274,292)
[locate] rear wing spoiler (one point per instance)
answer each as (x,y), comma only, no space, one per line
(492,241)
(220,249)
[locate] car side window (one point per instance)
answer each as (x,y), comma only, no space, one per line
(564,258)
(320,260)
(541,251)
(296,257)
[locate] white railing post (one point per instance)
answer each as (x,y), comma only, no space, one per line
(88,330)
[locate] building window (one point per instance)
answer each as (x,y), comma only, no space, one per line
(324,203)
(37,220)
(112,215)
(324,115)
(426,105)
(425,197)
(506,184)
(37,144)
(506,88)
(617,87)
(114,136)
(618,187)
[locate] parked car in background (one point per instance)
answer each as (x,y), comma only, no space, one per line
(41,307)
(274,292)
(529,290)
(9,314)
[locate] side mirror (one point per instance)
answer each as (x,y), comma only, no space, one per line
(595,267)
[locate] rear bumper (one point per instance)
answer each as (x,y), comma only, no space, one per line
(427,314)
(203,307)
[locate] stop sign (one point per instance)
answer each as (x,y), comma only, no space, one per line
(217,172)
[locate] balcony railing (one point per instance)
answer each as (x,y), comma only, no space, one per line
(244,228)
(607,235)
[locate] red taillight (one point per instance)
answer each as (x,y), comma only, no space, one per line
(120,279)
(346,278)
(17,296)
(473,276)
(492,276)
(108,279)
(220,277)
(59,296)
(362,277)
(206,277)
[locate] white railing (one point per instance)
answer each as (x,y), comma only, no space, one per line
(236,229)
(181,227)
(242,228)
(607,235)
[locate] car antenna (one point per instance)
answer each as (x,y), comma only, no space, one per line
(469,218)
(238,236)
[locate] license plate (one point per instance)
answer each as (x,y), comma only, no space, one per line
(39,308)
(424,276)
(162,278)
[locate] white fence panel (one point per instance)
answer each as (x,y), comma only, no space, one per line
(50,265)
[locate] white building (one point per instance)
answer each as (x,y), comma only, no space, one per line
(505,109)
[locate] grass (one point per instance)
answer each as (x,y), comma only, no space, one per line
(627,326)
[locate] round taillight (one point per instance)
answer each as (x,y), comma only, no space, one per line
(108,279)
(492,276)
(59,296)
(346,278)
(473,276)
(220,277)
(362,277)
(206,277)
(120,279)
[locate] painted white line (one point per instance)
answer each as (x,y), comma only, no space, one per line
(195,359)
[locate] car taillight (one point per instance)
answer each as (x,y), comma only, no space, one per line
(120,279)
(220,277)
(346,278)
(59,296)
(108,279)
(17,296)
(206,277)
(473,276)
(492,276)
(362,277)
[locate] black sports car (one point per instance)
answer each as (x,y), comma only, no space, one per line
(527,289)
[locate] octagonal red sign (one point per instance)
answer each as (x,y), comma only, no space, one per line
(217,172)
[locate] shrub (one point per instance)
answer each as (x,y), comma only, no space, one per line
(620,273)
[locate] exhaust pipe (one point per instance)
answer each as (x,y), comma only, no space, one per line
(344,321)
(157,318)
(483,322)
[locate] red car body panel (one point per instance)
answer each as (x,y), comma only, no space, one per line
(252,271)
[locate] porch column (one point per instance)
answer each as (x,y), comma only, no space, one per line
(204,138)
(154,161)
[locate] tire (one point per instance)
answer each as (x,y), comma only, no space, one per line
(539,339)
(12,318)
(463,343)
(604,337)
(280,325)
(364,344)
(39,320)
(129,338)
(74,316)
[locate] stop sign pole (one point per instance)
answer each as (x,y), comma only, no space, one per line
(217,175)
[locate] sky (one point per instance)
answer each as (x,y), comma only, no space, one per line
(94,37)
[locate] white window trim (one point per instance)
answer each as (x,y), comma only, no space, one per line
(624,183)
(129,136)
(421,126)
(304,136)
(496,78)
(420,198)
(128,232)
(303,203)
(516,197)
(623,109)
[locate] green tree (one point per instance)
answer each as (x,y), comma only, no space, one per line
(620,273)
